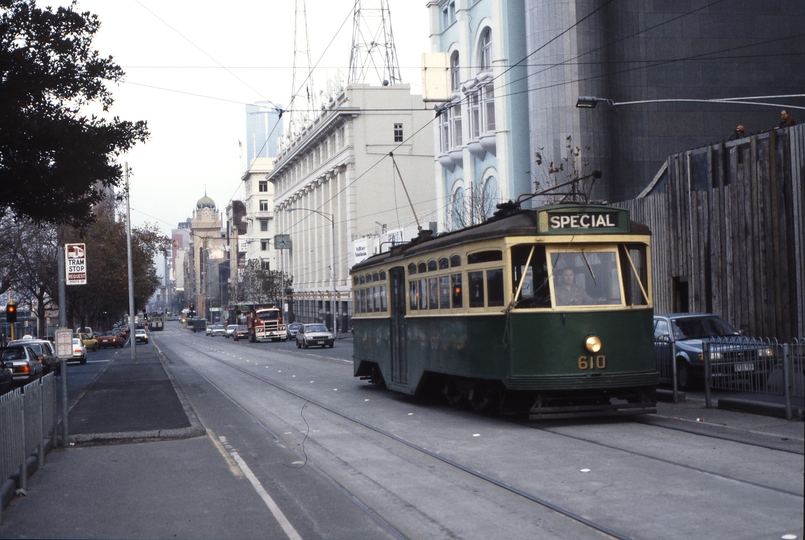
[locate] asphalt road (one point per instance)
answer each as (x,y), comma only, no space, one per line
(430,471)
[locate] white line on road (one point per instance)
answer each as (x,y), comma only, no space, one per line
(278,515)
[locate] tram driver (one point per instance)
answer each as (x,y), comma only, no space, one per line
(569,293)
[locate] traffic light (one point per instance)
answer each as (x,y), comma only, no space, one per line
(11,313)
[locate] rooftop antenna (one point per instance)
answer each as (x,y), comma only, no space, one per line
(303,95)
(373,49)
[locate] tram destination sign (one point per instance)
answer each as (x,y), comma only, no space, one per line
(75,264)
(583,220)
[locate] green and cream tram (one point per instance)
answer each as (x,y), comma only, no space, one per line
(543,310)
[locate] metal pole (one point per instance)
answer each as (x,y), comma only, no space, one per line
(63,361)
(335,284)
(132,326)
(787,382)
(707,366)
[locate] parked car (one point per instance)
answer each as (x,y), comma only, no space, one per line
(292,329)
(88,339)
(314,335)
(79,351)
(110,339)
(140,335)
(44,351)
(230,330)
(688,331)
(217,330)
(208,330)
(241,332)
(25,366)
(6,377)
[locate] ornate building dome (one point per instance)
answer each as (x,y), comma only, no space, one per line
(205,202)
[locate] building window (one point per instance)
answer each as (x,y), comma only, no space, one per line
(263,245)
(398,133)
(455,72)
(485,51)
(482,111)
(491,196)
(263,187)
(457,217)
(264,205)
(263,225)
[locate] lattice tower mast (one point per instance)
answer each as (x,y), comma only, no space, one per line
(373,49)
(303,95)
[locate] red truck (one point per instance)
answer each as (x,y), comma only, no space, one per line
(266,323)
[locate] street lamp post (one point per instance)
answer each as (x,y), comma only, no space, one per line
(331,217)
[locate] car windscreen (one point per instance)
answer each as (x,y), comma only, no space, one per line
(315,328)
(702,328)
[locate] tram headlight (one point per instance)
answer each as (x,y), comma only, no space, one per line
(593,344)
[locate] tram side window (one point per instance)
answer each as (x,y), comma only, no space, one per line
(635,286)
(494,286)
(444,292)
(476,284)
(433,293)
(356,296)
(413,294)
(423,293)
(536,291)
(383,302)
(363,300)
(457,298)
(376,298)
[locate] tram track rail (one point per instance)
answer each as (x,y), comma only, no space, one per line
(600,528)
(658,421)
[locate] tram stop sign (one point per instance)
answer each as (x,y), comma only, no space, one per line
(64,343)
(76,264)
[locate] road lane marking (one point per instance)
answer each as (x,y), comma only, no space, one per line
(233,467)
(275,510)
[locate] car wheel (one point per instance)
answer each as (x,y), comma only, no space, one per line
(298,346)
(304,344)
(83,360)
(682,375)
(95,348)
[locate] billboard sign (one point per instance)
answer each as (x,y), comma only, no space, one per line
(75,264)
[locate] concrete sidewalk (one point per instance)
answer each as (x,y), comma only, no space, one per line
(133,400)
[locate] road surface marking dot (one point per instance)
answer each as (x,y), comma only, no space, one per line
(789,537)
(366,399)
(584,470)
(410,414)
(476,434)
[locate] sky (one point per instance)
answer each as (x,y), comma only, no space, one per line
(191,68)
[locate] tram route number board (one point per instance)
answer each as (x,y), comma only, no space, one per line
(75,264)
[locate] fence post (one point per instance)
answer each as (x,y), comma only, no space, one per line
(787,381)
(706,354)
(673,373)
(41,454)
(24,464)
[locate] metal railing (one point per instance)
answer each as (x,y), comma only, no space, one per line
(27,419)
(742,364)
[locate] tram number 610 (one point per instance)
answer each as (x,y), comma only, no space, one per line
(590,362)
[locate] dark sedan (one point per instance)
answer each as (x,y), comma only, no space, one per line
(728,350)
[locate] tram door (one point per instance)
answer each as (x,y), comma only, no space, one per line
(399,358)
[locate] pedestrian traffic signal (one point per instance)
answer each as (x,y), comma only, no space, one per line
(11,313)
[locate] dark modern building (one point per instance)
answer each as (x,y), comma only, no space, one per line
(634,50)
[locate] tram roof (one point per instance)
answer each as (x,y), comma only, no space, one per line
(512,222)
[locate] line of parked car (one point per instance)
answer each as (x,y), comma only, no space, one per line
(305,335)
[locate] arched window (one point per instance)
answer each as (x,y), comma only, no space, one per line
(491,195)
(485,51)
(457,211)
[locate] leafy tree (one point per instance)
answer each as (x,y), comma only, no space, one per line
(261,285)
(51,155)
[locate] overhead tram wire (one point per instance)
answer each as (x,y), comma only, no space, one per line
(160,19)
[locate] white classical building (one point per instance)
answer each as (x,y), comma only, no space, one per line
(337,192)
